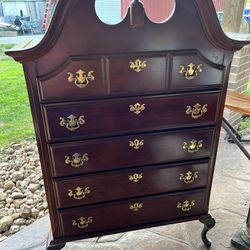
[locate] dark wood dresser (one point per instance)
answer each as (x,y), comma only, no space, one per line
(127,116)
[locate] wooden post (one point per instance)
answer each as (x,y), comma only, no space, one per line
(233,12)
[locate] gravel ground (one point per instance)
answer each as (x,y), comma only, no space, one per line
(22,195)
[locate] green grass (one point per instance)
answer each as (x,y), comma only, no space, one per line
(15,116)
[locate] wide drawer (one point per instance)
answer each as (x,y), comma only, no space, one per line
(130,151)
(136,212)
(130,183)
(110,117)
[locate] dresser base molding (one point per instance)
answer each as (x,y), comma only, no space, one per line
(206,219)
(209,223)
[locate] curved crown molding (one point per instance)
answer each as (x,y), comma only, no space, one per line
(205,8)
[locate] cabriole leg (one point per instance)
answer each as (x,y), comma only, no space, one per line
(209,223)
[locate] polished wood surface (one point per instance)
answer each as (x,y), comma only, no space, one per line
(119,215)
(112,117)
(127,97)
(131,183)
(115,153)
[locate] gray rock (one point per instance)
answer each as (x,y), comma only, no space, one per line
(18,176)
(18,202)
(20,221)
(34,212)
(15,216)
(9,200)
(3,196)
(25,212)
(11,211)
(3,165)
(33,187)
(9,185)
(14,228)
(17,195)
(5,223)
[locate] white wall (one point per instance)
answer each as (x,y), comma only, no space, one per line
(13,8)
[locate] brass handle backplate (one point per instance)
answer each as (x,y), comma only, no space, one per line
(137,108)
(72,123)
(188,177)
(81,79)
(136,206)
(136,144)
(193,146)
(79,193)
(138,65)
(197,110)
(82,222)
(76,160)
(190,71)
(135,177)
(186,205)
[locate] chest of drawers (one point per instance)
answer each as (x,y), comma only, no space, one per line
(127,117)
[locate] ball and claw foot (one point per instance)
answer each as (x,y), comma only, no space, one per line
(209,223)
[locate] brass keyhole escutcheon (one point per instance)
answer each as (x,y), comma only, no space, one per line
(138,65)
(136,144)
(136,206)
(135,177)
(137,108)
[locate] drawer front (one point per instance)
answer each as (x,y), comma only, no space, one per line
(129,151)
(129,184)
(78,79)
(194,71)
(111,117)
(137,74)
(141,211)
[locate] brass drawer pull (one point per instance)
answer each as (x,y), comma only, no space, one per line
(135,177)
(137,108)
(79,193)
(82,222)
(76,160)
(186,205)
(189,177)
(138,65)
(193,146)
(190,71)
(81,79)
(136,206)
(197,110)
(72,123)
(136,144)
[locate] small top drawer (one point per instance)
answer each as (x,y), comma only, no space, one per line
(75,79)
(111,117)
(139,74)
(194,71)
